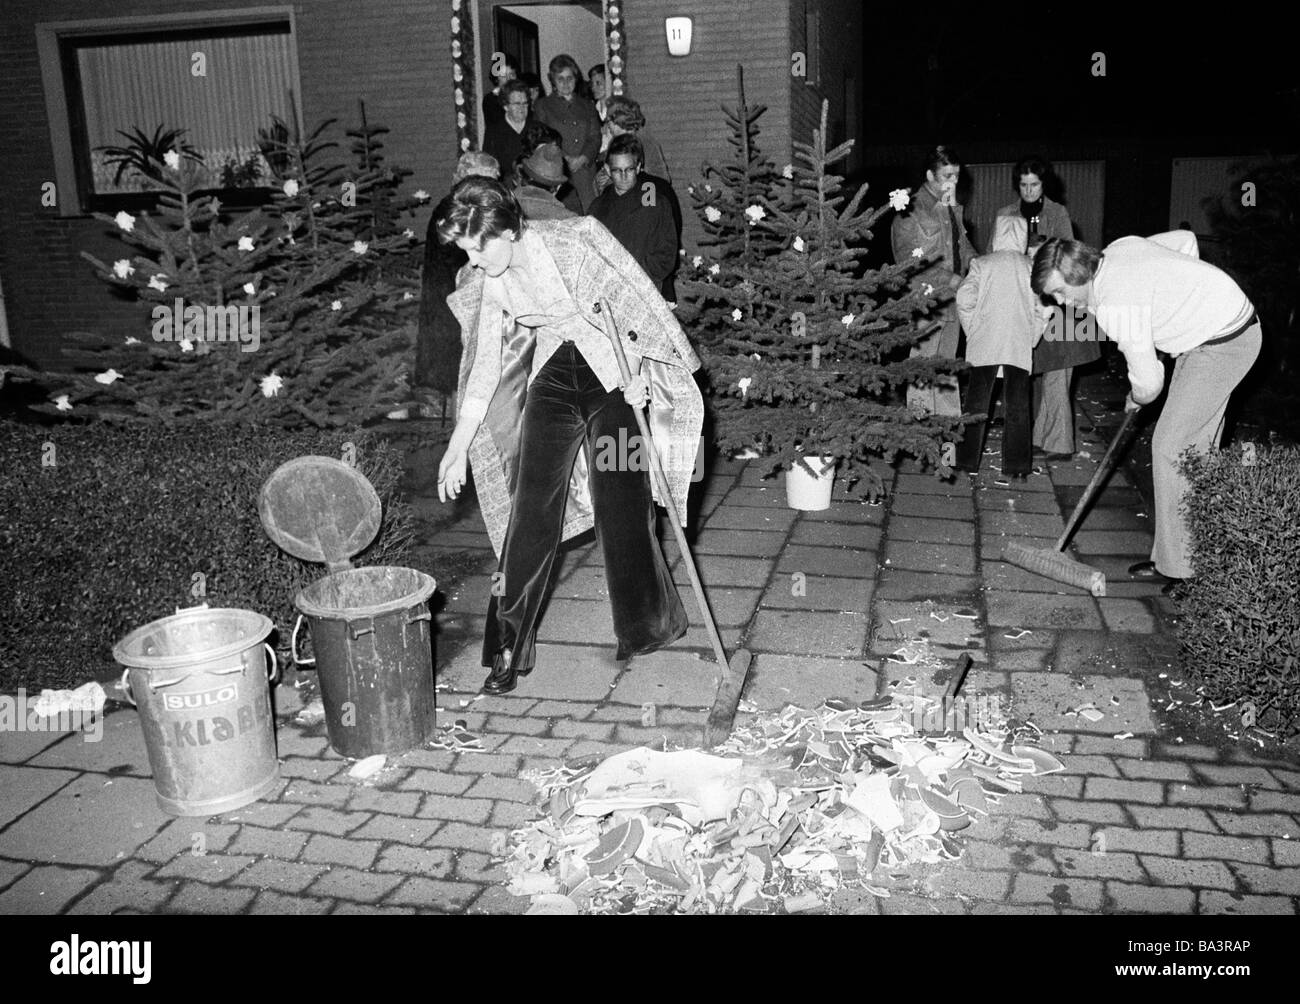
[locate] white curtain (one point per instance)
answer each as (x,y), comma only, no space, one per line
(246,79)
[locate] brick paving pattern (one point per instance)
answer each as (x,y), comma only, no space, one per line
(1146,823)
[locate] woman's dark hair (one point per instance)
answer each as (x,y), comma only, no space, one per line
(564,62)
(515,86)
(941,156)
(625,113)
(1030,165)
(477,208)
(1076,261)
(533,80)
(537,134)
(627,143)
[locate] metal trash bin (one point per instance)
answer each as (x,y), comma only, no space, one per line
(371,629)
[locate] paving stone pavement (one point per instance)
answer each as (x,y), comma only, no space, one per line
(833,604)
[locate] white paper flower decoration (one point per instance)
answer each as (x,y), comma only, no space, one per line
(122,268)
(158,282)
(186,345)
(172,159)
(846,320)
(712,214)
(917,253)
(125,220)
(249,288)
(360,247)
(108,376)
(245,243)
(336,305)
(743,383)
(697,261)
(755,213)
(899,198)
(799,244)
(271,384)
(421,195)
(736,315)
(291,187)
(62,403)
(787,171)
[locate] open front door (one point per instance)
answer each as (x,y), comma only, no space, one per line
(517,37)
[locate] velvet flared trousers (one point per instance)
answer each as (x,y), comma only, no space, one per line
(1017,454)
(568,409)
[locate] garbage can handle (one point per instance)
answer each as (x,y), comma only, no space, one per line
(272,670)
(293,646)
(423,615)
(355,631)
(124,685)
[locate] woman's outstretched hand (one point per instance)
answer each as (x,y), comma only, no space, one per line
(637,393)
(453,469)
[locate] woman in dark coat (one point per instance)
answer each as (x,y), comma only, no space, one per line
(1055,356)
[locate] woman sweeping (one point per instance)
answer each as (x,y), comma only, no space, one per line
(553,439)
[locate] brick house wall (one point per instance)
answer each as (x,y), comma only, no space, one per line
(394,54)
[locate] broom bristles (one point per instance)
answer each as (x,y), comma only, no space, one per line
(1054,565)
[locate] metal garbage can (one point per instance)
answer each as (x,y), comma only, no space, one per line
(371,629)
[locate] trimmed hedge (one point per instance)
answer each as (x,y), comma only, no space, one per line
(1240,623)
(117,531)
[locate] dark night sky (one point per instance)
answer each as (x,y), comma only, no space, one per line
(978,77)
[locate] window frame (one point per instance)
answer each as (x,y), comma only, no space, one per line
(56,42)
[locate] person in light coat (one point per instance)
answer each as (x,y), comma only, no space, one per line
(553,440)
(1003,322)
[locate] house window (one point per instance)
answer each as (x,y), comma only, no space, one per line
(124,91)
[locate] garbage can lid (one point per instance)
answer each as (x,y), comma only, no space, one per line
(320,509)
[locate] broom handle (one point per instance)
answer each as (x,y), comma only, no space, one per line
(661,480)
(1103,471)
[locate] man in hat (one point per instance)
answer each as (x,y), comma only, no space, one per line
(539,177)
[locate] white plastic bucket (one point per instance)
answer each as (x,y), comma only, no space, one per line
(807,492)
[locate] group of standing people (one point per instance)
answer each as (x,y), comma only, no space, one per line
(994,306)
(1023,307)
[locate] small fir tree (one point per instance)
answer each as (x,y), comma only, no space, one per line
(300,312)
(807,355)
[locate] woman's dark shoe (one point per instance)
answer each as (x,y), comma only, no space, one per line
(1144,570)
(625,652)
(504,677)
